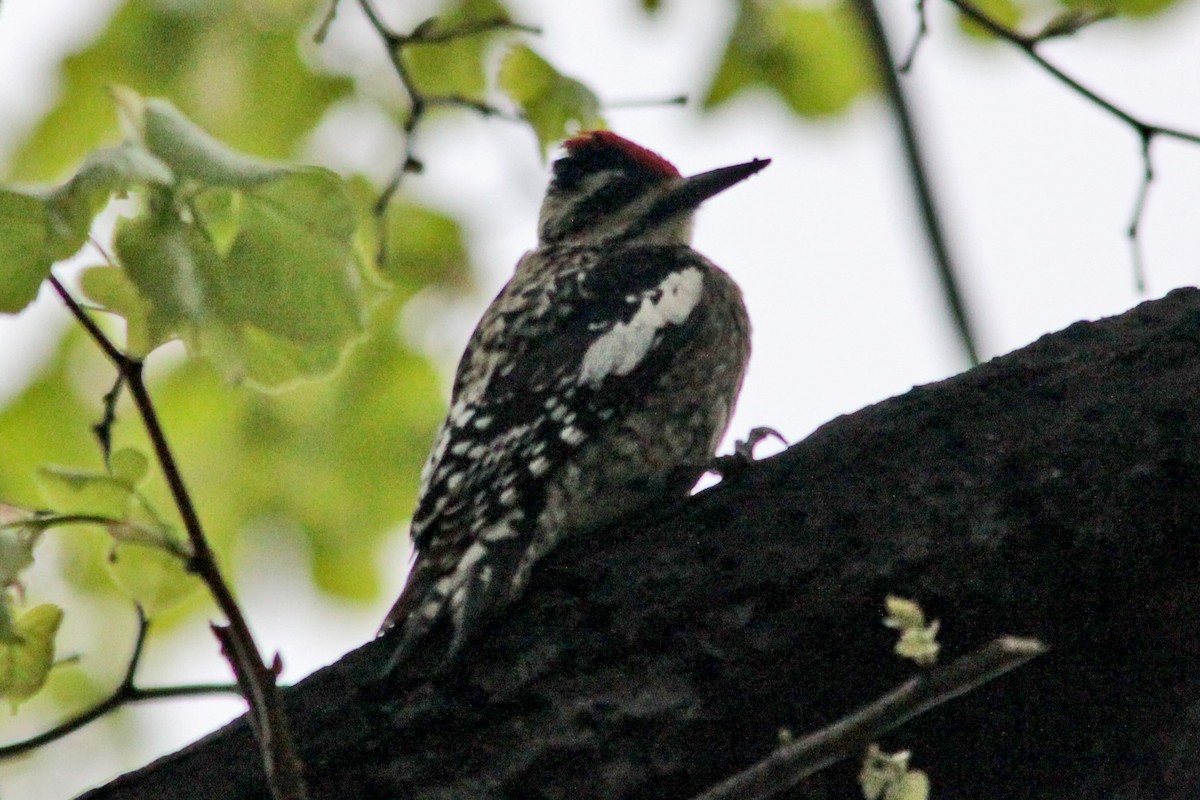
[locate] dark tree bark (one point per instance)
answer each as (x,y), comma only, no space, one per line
(1054,492)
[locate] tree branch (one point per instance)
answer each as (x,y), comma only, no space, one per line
(280,762)
(1050,491)
(794,762)
(1145,131)
(125,693)
(918,171)
(419,101)
(103,428)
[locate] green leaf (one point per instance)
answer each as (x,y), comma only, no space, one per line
(237,68)
(105,172)
(264,360)
(152,577)
(25,663)
(73,491)
(811,56)
(185,147)
(111,288)
(46,422)
(918,639)
(17,541)
(554,104)
(454,66)
(291,270)
(38,229)
(220,213)
(264,278)
(424,247)
(129,466)
(24,263)
(8,625)
(886,776)
(172,265)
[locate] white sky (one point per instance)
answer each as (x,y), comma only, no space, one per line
(1036,187)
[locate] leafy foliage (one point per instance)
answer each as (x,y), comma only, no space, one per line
(886,776)
(27,653)
(554,104)
(233,65)
(264,269)
(250,263)
(810,56)
(455,66)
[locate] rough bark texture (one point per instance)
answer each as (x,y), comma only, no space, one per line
(1054,492)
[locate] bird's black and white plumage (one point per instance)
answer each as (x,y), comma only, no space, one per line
(600,379)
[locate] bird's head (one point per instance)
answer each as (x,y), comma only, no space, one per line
(608,190)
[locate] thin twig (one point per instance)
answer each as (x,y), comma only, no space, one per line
(474,28)
(1145,131)
(280,761)
(790,764)
(919,176)
(616,105)
(326,22)
(125,693)
(1133,233)
(103,428)
(918,37)
(419,101)
(43,522)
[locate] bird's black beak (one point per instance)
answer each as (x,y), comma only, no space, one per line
(691,192)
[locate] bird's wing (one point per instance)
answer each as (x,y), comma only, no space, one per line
(542,375)
(548,367)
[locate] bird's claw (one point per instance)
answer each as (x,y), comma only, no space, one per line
(743,452)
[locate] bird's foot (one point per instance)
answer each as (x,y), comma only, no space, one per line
(743,453)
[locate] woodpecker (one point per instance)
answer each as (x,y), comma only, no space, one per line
(601,379)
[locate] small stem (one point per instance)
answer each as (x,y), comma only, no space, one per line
(677,100)
(918,37)
(1134,233)
(124,694)
(790,764)
(280,761)
(419,101)
(103,428)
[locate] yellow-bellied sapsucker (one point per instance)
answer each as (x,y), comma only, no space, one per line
(600,379)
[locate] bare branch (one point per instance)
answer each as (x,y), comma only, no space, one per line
(326,22)
(103,428)
(1134,231)
(1145,131)
(922,32)
(918,171)
(790,764)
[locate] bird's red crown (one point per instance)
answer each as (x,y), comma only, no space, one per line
(648,159)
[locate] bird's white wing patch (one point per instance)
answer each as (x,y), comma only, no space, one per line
(621,349)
